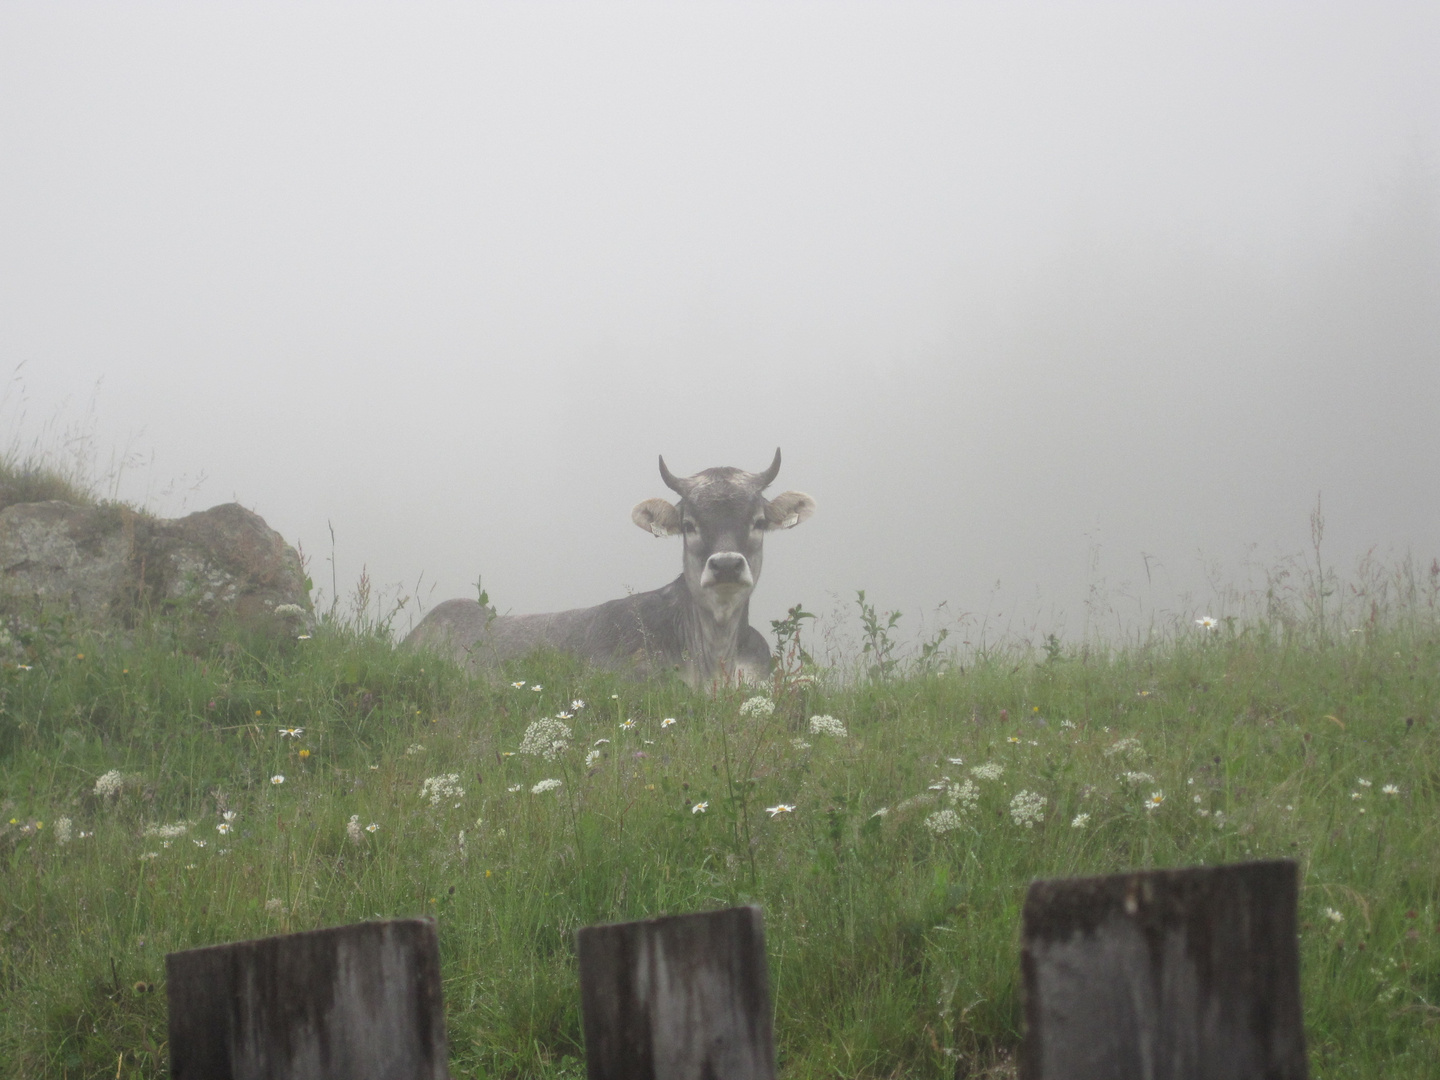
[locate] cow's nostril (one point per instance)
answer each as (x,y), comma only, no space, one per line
(727,565)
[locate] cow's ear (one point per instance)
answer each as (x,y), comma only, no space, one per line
(789,509)
(657,516)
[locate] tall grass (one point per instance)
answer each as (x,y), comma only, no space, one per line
(893,940)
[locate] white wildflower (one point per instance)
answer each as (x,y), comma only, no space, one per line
(827,725)
(548,737)
(628,725)
(964,796)
(1155,800)
(277,779)
(413,749)
(991,770)
(881,812)
(274,906)
(543,786)
(1069,725)
(110,784)
(1333,915)
(518,685)
(577,704)
(1136,778)
(759,705)
(800,744)
(781,808)
(1129,747)
(700,807)
(1080,821)
(353,830)
(514,788)
(592,757)
(168,832)
(1390,789)
(442,788)
(64,830)
(956,760)
(1027,808)
(669,721)
(943,821)
(224,828)
(289,609)
(373,827)
(1206,622)
(291,732)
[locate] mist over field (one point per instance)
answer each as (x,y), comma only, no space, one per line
(1066,315)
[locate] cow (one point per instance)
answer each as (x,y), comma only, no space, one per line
(698,625)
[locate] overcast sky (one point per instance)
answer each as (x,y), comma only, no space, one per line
(1042,302)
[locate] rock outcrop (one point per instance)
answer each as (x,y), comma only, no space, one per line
(111,565)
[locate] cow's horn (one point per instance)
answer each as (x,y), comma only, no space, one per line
(768,476)
(673,482)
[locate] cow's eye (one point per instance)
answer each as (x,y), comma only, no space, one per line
(759,524)
(687,527)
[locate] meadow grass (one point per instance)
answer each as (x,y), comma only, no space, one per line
(893,926)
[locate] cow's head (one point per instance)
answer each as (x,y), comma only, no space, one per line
(723,518)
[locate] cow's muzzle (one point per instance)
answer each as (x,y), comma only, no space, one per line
(727,568)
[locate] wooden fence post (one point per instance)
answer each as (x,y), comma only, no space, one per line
(1167,975)
(680,998)
(358,1002)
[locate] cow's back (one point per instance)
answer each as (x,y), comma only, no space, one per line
(631,630)
(453,628)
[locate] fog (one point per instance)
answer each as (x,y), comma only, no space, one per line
(1064,314)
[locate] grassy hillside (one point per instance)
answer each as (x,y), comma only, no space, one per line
(144,811)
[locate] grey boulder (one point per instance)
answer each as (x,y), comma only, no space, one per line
(111,565)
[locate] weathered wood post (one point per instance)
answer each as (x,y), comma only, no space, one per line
(685,997)
(358,1002)
(1167,975)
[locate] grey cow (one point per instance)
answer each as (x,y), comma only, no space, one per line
(697,625)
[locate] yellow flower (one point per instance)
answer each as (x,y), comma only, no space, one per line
(304,753)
